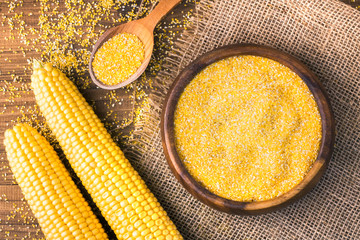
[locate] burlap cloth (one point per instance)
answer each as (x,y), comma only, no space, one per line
(325,35)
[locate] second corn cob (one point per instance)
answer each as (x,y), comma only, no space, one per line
(53,197)
(127,204)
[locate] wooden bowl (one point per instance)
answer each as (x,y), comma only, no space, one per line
(236,207)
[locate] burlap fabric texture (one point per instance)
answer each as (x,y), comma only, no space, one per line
(325,35)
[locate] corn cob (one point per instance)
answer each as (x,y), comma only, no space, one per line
(124,200)
(53,197)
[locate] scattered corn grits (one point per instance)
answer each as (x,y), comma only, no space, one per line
(247,128)
(118,58)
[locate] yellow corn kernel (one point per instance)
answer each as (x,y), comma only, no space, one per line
(102,170)
(47,186)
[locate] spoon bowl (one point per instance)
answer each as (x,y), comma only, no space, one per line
(134,27)
(143,29)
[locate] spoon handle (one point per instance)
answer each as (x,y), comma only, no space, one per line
(163,7)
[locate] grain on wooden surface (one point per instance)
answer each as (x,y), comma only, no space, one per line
(19,43)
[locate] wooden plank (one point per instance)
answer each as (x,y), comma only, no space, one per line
(6,176)
(20,232)
(10,193)
(16,212)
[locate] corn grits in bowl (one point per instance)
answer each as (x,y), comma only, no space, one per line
(247,129)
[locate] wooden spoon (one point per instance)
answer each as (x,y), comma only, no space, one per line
(143,29)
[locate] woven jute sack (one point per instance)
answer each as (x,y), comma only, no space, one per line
(325,35)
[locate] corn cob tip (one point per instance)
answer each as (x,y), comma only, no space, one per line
(36,64)
(42,71)
(17,127)
(8,133)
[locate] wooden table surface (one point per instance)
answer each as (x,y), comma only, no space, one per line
(17,100)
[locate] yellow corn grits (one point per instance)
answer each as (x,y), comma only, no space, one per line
(247,128)
(118,58)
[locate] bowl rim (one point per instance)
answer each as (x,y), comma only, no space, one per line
(227,205)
